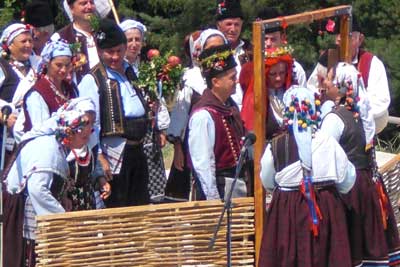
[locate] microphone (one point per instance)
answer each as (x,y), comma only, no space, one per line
(6,111)
(248,141)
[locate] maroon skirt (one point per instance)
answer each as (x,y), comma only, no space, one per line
(287,237)
(371,244)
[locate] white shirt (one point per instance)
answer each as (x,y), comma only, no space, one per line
(329,163)
(201,149)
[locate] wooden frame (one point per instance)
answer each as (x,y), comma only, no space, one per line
(260,93)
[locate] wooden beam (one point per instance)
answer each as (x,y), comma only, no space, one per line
(306,17)
(260,97)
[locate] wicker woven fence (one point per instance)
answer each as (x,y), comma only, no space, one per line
(391,178)
(160,235)
(154,235)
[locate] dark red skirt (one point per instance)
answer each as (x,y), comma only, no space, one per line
(288,240)
(371,244)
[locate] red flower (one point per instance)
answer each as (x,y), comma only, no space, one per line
(153,53)
(174,61)
(330,26)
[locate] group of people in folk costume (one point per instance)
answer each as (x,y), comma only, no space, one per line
(73,99)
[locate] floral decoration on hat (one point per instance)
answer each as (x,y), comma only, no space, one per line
(216,61)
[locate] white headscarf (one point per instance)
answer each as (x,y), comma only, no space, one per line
(53,49)
(302,133)
(132,24)
(346,73)
(207,34)
(13,31)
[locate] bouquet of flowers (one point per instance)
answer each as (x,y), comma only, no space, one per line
(160,75)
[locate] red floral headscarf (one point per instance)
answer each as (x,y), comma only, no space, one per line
(246,79)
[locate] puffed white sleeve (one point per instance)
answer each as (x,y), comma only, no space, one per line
(378,88)
(268,171)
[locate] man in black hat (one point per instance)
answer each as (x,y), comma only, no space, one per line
(215,126)
(274,37)
(80,31)
(229,20)
(372,71)
(39,14)
(121,118)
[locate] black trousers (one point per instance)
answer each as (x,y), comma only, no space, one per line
(129,187)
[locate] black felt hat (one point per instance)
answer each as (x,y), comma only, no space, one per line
(269,13)
(109,34)
(216,60)
(228,9)
(38,13)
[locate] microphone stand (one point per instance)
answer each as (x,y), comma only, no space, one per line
(228,207)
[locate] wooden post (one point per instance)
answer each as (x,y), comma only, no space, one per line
(345,37)
(260,97)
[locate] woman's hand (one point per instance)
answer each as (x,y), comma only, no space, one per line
(179,156)
(163,139)
(66,202)
(105,188)
(106,167)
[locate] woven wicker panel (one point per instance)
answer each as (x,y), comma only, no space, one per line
(154,235)
(391,178)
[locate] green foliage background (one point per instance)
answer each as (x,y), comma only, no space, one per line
(169,21)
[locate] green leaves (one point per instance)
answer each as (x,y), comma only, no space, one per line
(160,69)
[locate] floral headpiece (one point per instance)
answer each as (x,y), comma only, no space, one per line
(221,8)
(66,128)
(216,61)
(71,119)
(351,99)
(278,51)
(305,115)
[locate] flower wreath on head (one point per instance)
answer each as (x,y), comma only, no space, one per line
(278,51)
(216,61)
(305,114)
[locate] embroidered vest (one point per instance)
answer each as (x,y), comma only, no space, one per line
(284,150)
(227,141)
(10,83)
(112,119)
(353,139)
(53,101)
